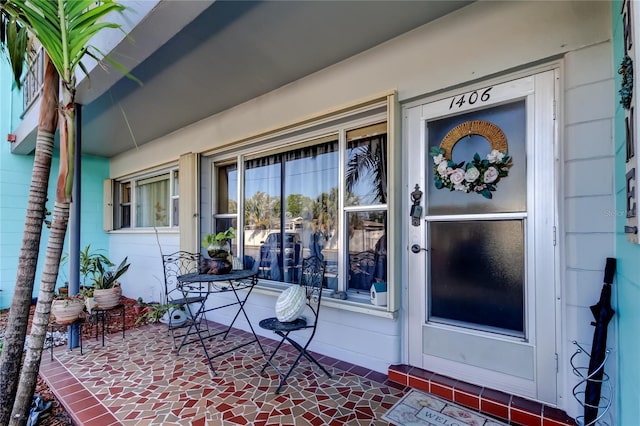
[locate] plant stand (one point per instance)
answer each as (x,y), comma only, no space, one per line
(54,326)
(100,316)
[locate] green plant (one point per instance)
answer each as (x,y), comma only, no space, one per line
(155,311)
(68,298)
(86,291)
(89,260)
(107,278)
(219,238)
(217,245)
(140,302)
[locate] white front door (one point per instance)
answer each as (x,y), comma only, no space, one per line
(482,262)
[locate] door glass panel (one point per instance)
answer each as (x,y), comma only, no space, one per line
(510,194)
(477,274)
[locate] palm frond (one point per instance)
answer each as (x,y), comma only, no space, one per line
(14,41)
(66,38)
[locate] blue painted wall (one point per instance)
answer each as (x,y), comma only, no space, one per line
(627,283)
(15,178)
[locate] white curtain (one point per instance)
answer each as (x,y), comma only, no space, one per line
(152,202)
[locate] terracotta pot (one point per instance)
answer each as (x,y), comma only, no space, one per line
(107,297)
(67,311)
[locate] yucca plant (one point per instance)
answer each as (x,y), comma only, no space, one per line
(107,278)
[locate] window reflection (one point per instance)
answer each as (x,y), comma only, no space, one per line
(227,189)
(278,236)
(366,168)
(367,248)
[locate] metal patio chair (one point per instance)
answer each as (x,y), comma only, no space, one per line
(181,297)
(312,278)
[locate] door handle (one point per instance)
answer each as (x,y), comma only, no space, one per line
(417,249)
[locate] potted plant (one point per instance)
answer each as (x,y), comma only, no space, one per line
(138,308)
(67,309)
(107,290)
(89,299)
(164,313)
(218,245)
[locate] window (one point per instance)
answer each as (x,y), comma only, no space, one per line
(148,201)
(366,202)
(324,195)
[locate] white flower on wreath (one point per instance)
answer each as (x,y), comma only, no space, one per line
(495,156)
(471,174)
(461,187)
(478,175)
(490,175)
(442,168)
(457,177)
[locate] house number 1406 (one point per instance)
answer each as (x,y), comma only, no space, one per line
(471,98)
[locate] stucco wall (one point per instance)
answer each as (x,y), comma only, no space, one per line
(627,284)
(482,40)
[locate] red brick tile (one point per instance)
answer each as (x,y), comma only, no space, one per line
(526,405)
(443,391)
(468,388)
(71,389)
(525,418)
(462,398)
(81,404)
(443,380)
(549,422)
(419,383)
(557,416)
(401,368)
(495,409)
(496,396)
(422,374)
(398,377)
(89,415)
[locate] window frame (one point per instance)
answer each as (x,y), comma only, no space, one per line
(172,174)
(376,110)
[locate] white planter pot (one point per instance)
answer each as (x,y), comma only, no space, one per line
(177,317)
(107,298)
(67,311)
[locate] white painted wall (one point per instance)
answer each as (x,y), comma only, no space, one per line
(484,39)
(589,210)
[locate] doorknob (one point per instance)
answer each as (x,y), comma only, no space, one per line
(416,248)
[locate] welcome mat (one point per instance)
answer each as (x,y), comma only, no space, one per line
(420,409)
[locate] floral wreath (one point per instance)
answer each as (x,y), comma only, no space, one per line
(479,175)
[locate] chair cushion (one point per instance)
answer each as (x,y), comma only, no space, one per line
(291,303)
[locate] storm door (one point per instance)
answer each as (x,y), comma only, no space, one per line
(482,256)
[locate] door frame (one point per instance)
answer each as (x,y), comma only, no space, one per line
(544,128)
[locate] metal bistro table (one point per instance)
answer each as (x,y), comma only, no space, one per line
(233,282)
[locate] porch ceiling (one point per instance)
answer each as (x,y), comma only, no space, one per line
(235,51)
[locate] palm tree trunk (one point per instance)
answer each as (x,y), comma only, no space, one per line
(15,334)
(55,244)
(31,365)
(29,375)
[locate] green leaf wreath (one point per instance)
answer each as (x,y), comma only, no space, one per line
(480,175)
